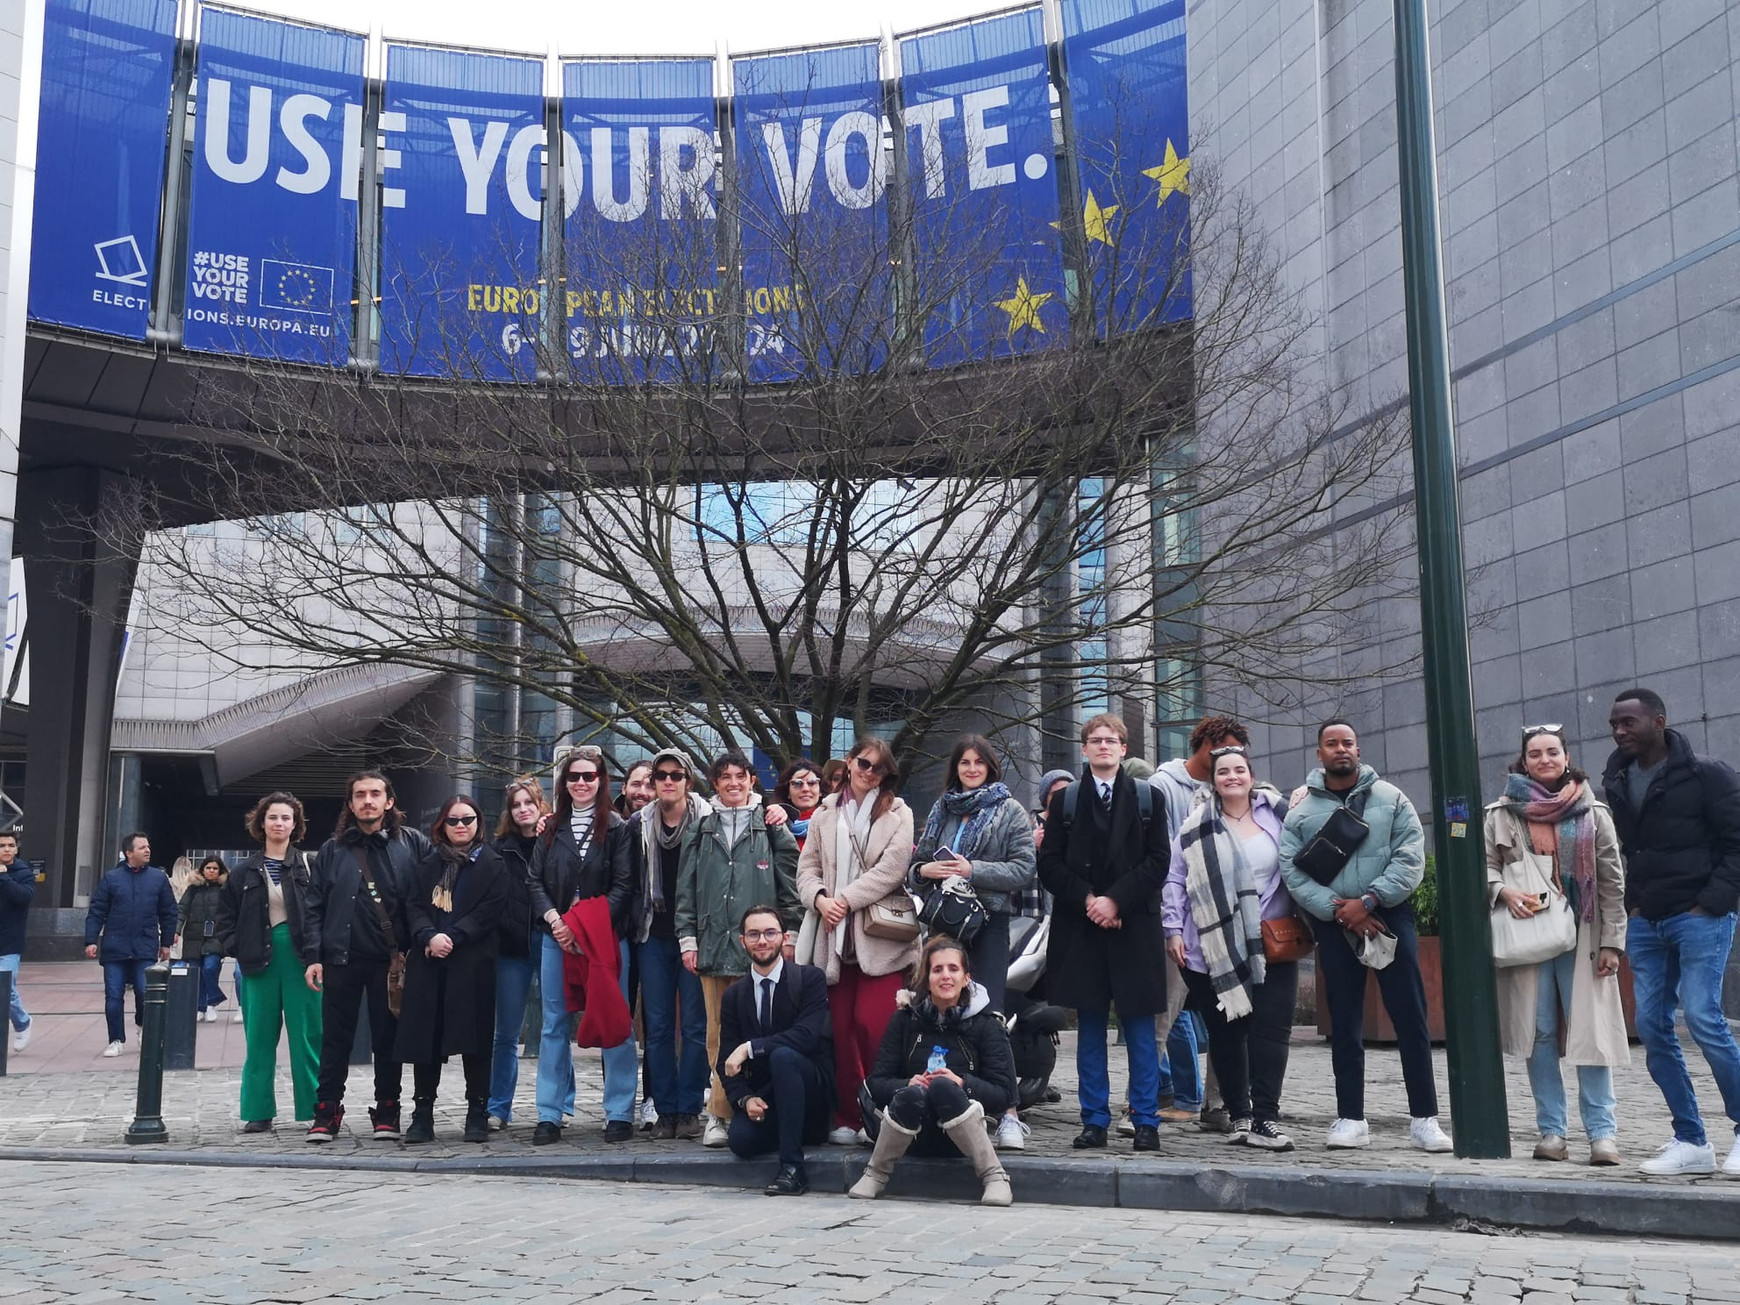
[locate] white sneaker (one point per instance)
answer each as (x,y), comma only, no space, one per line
(497,1124)
(1126,1124)
(237,1017)
(211,1015)
(112,1050)
(843,1136)
(21,1039)
(1425,1134)
(1011,1134)
(649,1115)
(1730,1166)
(1345,1134)
(716,1134)
(1679,1157)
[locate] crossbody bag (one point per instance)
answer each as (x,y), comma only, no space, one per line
(396,963)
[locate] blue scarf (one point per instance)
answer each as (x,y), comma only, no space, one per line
(973,807)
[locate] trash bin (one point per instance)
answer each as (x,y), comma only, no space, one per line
(181,1016)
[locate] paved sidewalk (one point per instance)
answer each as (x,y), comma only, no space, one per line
(63,1097)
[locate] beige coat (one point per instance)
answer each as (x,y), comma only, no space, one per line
(887,852)
(1592,1032)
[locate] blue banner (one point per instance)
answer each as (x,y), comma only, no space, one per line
(640,190)
(976,109)
(811,176)
(107,69)
(1128,99)
(277,164)
(462,178)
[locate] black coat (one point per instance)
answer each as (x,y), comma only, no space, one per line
(1683,848)
(1108,855)
(245,915)
(514,933)
(199,903)
(976,1048)
(17,887)
(330,911)
(800,1021)
(449,1004)
(560,876)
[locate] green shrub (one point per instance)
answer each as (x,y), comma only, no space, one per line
(1426,901)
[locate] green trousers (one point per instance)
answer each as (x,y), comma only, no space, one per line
(273,1001)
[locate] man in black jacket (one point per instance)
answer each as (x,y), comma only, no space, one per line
(775,1057)
(1104,866)
(133,913)
(17,887)
(353,928)
(1678,817)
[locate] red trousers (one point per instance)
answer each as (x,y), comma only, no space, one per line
(861,1006)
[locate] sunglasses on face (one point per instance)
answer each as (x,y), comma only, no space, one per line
(582,776)
(458,822)
(669,776)
(806,781)
(867,766)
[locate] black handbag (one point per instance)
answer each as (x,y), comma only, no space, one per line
(953,908)
(1333,846)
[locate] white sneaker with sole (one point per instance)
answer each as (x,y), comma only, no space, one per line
(1011,1134)
(649,1116)
(112,1050)
(237,1017)
(843,1136)
(1427,1136)
(1345,1134)
(1679,1157)
(716,1134)
(21,1039)
(1730,1166)
(1126,1124)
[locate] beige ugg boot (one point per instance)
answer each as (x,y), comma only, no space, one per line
(967,1132)
(891,1144)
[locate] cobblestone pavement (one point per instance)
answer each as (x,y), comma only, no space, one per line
(95,1233)
(61,1093)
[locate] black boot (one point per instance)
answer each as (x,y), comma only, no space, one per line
(422,1127)
(476,1120)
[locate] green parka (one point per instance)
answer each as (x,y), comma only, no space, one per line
(717,883)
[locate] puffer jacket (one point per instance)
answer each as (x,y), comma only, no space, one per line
(561,876)
(1390,862)
(716,884)
(974,1042)
(199,904)
(134,911)
(1683,848)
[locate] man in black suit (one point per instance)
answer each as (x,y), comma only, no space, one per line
(778,1071)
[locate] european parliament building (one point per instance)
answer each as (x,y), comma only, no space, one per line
(197,191)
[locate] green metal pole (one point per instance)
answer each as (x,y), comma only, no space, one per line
(1478,1109)
(147,1125)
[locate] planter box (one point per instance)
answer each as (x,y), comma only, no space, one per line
(1377,1020)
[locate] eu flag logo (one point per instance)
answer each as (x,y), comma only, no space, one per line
(295,287)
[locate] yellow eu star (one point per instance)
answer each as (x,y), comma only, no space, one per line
(1023,308)
(1096,221)
(1173,173)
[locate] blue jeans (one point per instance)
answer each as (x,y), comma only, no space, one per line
(555,1088)
(677,1083)
(513,980)
(1679,962)
(209,992)
(118,976)
(20,1016)
(1093,1081)
(1180,1070)
(1594,1082)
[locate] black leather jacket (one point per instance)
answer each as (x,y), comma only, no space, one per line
(330,910)
(244,917)
(559,877)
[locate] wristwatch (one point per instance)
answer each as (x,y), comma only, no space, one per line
(1369,901)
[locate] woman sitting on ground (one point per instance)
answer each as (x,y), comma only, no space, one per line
(943,1066)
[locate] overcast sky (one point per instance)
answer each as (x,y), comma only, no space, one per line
(624,26)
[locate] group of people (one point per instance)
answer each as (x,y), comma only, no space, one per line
(791,993)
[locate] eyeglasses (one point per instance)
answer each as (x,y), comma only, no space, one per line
(456,822)
(670,776)
(582,776)
(867,766)
(1104,741)
(763,935)
(1529,731)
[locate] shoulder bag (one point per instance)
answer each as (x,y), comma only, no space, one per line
(396,965)
(1287,939)
(893,919)
(1549,932)
(1333,846)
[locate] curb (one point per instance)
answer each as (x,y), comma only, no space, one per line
(1701,1212)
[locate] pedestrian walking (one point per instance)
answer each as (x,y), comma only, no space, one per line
(732,858)
(354,947)
(17,889)
(1551,849)
(196,930)
(855,859)
(1356,882)
(979,832)
(943,1067)
(518,945)
(130,923)
(452,910)
(1678,819)
(1103,861)
(262,923)
(1223,897)
(583,852)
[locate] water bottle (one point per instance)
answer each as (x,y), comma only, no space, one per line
(939,1059)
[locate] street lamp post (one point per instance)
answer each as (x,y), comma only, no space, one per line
(1477,1098)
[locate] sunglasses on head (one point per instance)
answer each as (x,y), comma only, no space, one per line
(582,776)
(1231,750)
(460,821)
(1529,731)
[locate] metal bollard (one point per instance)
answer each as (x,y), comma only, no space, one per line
(6,982)
(147,1125)
(181,1015)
